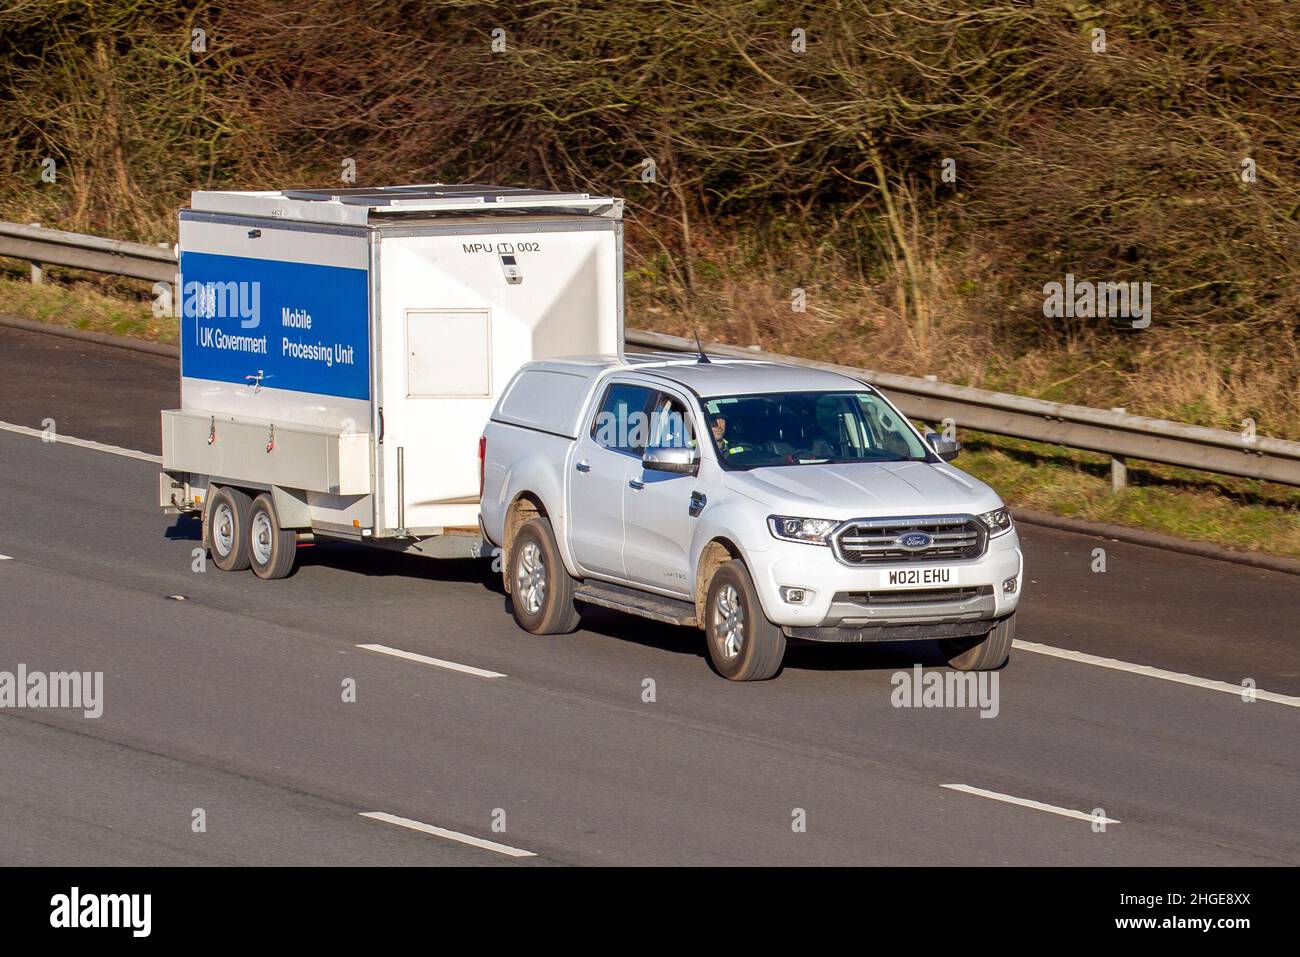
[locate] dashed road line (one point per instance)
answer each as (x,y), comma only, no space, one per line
(80,443)
(469,839)
(1115,665)
(1035,805)
(436,662)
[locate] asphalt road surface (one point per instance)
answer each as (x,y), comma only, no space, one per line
(227,709)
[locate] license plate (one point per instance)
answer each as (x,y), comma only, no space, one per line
(918,577)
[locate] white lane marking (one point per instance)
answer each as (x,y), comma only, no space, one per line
(469,839)
(1112,663)
(437,662)
(1025,802)
(5,558)
(82,443)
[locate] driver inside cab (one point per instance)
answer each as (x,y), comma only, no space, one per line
(726,446)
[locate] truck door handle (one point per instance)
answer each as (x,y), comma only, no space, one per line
(636,484)
(583,466)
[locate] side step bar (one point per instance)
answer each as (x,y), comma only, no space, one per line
(655,607)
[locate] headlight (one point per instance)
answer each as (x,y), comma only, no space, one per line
(810,531)
(998,521)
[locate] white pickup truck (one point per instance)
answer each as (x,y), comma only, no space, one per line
(760,502)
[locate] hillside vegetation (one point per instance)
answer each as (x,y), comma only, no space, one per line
(799,149)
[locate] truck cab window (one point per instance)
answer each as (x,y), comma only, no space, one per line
(623,421)
(670,425)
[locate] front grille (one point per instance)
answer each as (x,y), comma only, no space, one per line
(914,596)
(873,541)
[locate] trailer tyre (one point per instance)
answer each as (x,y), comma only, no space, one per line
(982,654)
(743,644)
(227,529)
(272,550)
(541,589)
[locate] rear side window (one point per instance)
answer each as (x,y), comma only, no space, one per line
(623,423)
(545,399)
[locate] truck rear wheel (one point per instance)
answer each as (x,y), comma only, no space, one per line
(982,654)
(272,550)
(227,529)
(541,589)
(743,644)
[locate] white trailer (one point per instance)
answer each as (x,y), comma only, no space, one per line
(341,351)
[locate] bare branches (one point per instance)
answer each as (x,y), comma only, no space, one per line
(1124,163)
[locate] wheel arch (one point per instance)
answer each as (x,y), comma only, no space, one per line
(291,508)
(522,507)
(716,552)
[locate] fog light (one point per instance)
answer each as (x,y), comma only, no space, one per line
(794,596)
(1009,586)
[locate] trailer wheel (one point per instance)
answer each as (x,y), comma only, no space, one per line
(541,589)
(743,644)
(227,529)
(272,550)
(981,654)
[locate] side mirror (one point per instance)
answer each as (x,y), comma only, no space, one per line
(946,449)
(672,459)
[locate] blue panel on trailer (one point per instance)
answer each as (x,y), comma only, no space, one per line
(287,325)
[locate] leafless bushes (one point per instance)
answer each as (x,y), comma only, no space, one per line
(794,145)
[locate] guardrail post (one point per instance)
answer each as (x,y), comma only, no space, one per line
(1118,473)
(37,274)
(1118,465)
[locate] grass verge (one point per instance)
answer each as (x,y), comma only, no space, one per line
(84,305)
(1240,514)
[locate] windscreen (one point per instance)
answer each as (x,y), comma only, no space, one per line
(809,428)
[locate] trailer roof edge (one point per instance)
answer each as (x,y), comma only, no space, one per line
(364,206)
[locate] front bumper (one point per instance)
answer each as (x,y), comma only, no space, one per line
(841,634)
(856,603)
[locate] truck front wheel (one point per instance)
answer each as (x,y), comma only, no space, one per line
(541,589)
(743,644)
(982,654)
(227,529)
